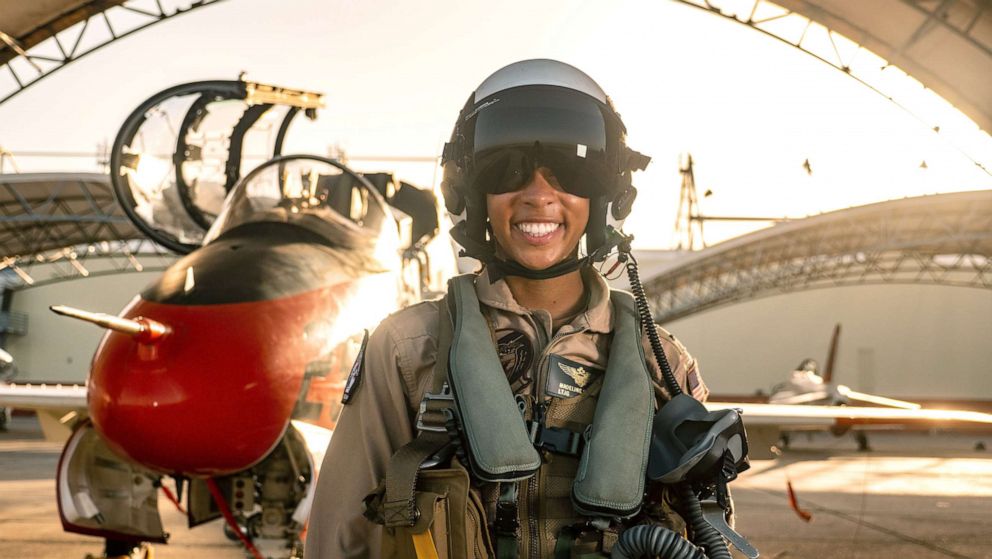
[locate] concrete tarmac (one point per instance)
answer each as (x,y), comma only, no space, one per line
(913,496)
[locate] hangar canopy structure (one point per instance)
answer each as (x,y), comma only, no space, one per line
(943,239)
(39,37)
(57,226)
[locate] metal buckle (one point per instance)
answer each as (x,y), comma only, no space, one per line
(506,522)
(443,403)
(555,439)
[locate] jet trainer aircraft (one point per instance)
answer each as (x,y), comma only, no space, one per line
(226,372)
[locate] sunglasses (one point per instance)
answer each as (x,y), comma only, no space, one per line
(578,170)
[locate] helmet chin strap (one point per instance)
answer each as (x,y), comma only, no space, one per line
(498,269)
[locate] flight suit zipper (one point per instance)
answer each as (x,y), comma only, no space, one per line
(540,410)
(533,484)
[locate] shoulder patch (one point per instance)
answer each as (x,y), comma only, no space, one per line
(355,376)
(516,354)
(692,379)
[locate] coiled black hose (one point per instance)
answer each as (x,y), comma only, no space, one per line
(647,322)
(704,535)
(650,540)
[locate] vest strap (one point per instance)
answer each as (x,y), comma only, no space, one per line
(506,525)
(399,506)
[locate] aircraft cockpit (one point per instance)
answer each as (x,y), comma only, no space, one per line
(320,195)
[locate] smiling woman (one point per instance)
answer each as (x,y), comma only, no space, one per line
(535,332)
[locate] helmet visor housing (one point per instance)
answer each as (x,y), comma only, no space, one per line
(519,130)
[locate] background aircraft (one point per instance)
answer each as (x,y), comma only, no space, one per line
(809,401)
(226,372)
(807,386)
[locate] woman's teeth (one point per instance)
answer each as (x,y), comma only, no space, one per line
(538,229)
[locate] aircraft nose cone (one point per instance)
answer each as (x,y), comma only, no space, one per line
(211,398)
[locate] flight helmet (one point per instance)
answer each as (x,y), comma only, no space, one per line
(530,114)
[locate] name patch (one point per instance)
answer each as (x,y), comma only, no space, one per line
(567,379)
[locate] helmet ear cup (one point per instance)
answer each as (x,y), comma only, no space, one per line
(596,227)
(476,216)
(623,203)
(454,201)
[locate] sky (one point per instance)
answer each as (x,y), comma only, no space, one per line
(748,108)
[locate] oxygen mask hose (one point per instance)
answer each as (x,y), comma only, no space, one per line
(652,540)
(704,535)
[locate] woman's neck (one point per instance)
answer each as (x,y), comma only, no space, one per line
(562,296)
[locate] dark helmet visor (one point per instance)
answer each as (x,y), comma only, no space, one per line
(519,130)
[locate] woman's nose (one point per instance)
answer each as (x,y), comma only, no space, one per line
(538,190)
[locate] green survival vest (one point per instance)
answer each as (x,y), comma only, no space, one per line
(428,509)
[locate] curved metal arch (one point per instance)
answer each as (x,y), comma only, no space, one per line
(764,16)
(944,239)
(103,15)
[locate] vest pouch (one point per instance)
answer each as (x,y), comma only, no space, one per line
(449,510)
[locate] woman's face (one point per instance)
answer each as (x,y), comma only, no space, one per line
(539,224)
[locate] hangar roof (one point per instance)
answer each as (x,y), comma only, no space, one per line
(942,239)
(946,45)
(47,211)
(58,226)
(30,23)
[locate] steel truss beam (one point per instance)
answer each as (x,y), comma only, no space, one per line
(82,261)
(944,239)
(57,226)
(73,35)
(888,78)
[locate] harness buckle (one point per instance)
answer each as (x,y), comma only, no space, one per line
(436,410)
(506,522)
(555,439)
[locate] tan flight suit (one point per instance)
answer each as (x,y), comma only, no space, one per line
(399,360)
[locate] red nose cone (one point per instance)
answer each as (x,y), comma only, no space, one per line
(215,395)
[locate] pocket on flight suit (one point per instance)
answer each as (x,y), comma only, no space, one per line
(450,513)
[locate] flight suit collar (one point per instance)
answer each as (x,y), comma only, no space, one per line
(597,318)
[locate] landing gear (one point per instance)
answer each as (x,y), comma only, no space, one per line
(118,549)
(862,440)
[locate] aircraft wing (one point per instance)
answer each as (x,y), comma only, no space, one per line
(58,405)
(826,417)
(765,422)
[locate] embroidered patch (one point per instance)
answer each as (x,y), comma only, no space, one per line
(516,354)
(355,376)
(566,378)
